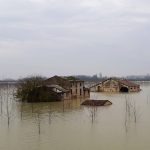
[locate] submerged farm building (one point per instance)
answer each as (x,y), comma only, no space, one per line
(115,85)
(67,87)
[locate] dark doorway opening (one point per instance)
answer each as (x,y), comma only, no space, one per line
(99,88)
(124,90)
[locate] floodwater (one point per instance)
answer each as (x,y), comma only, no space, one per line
(125,125)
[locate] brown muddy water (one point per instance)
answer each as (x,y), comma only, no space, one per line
(125,125)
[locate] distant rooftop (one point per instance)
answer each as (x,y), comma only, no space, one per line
(72,78)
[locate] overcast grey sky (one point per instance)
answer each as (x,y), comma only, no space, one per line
(67,37)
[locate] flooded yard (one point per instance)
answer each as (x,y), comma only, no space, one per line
(67,125)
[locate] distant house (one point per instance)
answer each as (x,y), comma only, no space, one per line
(68,87)
(115,85)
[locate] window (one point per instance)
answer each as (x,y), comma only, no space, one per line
(72,84)
(71,91)
(80,92)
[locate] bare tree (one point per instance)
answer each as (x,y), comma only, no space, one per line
(63,105)
(9,100)
(32,107)
(7,106)
(135,112)
(21,111)
(148,99)
(131,112)
(50,114)
(127,113)
(92,113)
(1,102)
(39,121)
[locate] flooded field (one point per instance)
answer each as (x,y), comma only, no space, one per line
(125,125)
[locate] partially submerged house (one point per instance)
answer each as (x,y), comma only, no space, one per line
(67,87)
(115,85)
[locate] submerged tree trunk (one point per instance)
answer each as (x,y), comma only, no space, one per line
(7,107)
(39,122)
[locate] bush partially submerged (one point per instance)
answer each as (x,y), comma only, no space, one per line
(44,94)
(27,85)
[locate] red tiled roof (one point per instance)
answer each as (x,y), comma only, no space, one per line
(56,80)
(123,81)
(128,83)
(61,81)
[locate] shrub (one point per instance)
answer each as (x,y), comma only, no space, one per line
(27,85)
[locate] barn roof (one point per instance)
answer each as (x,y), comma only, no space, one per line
(56,80)
(124,81)
(128,83)
(64,82)
(95,84)
(121,81)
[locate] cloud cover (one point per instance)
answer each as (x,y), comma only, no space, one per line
(74,37)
